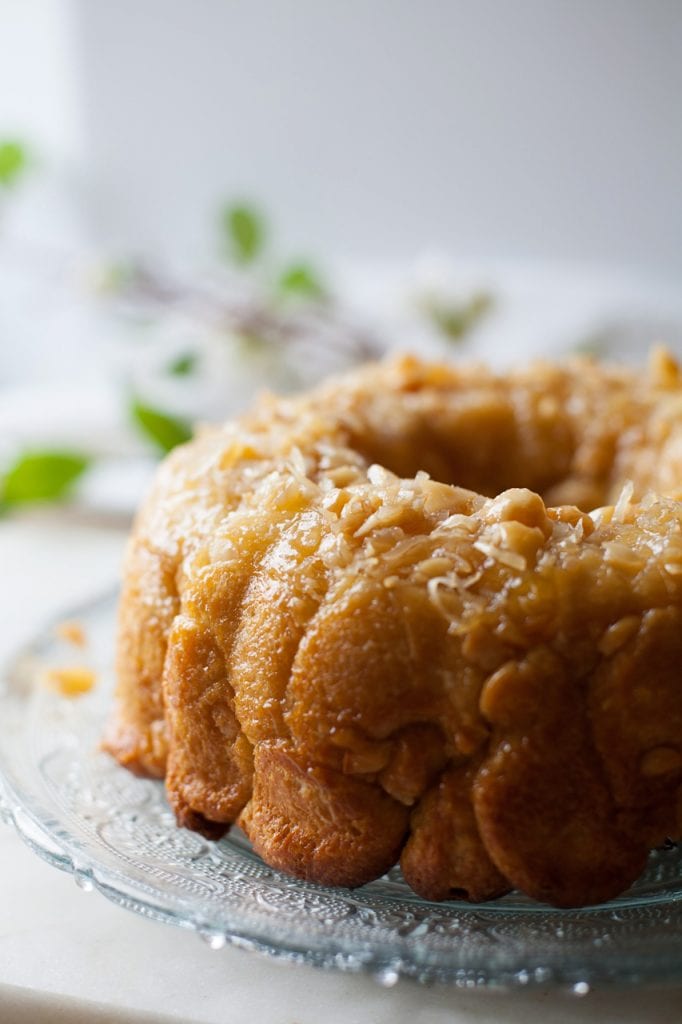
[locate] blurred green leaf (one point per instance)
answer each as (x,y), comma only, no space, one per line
(41,476)
(253,348)
(13,162)
(595,346)
(455,320)
(117,276)
(301,279)
(244,229)
(183,365)
(164,430)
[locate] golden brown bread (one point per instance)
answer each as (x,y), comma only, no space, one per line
(325,637)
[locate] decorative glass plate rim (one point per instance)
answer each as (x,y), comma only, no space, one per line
(393,934)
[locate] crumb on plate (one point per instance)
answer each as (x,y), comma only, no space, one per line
(73,632)
(71,682)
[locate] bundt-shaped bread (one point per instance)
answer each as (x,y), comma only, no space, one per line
(325,638)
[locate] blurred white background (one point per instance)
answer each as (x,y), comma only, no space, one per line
(500,128)
(537,135)
(515,129)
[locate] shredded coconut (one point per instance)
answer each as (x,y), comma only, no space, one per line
(512,559)
(623,504)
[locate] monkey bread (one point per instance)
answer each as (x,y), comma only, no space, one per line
(425,614)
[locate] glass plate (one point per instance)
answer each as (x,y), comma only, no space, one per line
(113,832)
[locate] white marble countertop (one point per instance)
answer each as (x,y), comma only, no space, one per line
(70,956)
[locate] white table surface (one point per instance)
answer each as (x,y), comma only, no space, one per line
(60,946)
